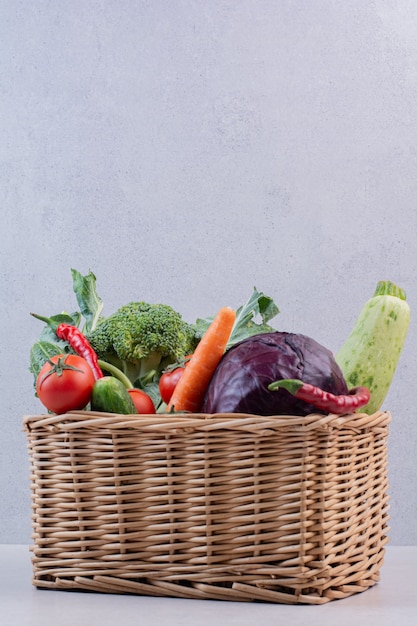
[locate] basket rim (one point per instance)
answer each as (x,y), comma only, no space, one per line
(206,421)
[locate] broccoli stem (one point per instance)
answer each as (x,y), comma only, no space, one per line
(112,369)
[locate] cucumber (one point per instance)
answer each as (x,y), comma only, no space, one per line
(370,355)
(109,395)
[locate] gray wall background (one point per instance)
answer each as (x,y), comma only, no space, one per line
(187,150)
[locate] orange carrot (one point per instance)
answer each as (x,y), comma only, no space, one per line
(191,388)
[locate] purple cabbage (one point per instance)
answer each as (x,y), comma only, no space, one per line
(240,382)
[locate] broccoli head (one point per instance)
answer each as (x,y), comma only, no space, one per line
(141,339)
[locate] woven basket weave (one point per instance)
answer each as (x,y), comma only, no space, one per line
(281,509)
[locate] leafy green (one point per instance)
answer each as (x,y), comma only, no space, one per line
(41,351)
(251,318)
(48,343)
(90,303)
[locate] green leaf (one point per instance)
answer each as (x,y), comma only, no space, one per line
(251,318)
(90,303)
(48,344)
(41,351)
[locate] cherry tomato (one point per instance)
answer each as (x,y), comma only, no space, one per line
(143,403)
(168,382)
(65,383)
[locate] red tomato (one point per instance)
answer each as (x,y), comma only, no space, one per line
(168,382)
(143,403)
(65,383)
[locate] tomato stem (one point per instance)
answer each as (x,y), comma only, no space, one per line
(59,367)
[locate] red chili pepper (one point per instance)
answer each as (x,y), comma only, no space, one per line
(77,340)
(323,400)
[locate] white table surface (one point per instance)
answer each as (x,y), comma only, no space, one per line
(392,602)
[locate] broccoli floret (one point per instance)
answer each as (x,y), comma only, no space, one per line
(141,339)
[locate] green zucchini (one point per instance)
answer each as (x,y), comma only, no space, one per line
(110,395)
(370,355)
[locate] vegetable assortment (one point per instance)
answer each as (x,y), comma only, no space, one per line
(146,359)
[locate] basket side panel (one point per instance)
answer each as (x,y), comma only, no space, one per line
(353,516)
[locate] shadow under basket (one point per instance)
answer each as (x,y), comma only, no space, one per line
(283,509)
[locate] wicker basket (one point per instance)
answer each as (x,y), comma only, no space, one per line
(281,509)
